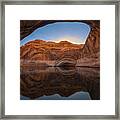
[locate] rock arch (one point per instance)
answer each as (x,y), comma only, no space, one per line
(28,26)
(91,48)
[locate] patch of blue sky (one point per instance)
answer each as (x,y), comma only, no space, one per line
(74,32)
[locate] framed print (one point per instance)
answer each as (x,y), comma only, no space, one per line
(59,52)
(59,59)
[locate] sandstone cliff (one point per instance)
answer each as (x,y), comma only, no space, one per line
(42,50)
(39,50)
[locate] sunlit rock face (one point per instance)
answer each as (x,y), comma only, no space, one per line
(87,54)
(50,53)
(57,80)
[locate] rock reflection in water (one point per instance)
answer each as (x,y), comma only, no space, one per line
(37,82)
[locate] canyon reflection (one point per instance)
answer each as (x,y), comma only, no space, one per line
(37,82)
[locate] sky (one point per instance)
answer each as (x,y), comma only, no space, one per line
(74,32)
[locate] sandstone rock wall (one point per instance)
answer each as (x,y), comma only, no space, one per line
(85,55)
(92,45)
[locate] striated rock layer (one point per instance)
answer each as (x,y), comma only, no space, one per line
(54,54)
(42,50)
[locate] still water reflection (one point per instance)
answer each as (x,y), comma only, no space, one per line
(58,83)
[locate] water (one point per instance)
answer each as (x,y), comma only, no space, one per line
(59,83)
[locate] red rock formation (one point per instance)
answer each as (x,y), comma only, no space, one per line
(41,50)
(87,55)
(92,45)
(90,53)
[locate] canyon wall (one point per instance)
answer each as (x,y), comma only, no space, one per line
(84,55)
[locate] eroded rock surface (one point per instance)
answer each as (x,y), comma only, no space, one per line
(49,52)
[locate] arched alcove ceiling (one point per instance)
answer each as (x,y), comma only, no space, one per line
(28,26)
